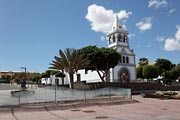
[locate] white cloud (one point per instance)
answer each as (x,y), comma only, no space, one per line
(102,20)
(124,26)
(177,35)
(160,38)
(157,3)
(131,35)
(123,14)
(172,44)
(172,11)
(145,24)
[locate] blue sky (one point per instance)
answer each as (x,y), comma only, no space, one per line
(32,31)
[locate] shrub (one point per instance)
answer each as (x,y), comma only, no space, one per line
(150,71)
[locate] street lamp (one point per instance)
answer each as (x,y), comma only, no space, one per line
(23,83)
(24,71)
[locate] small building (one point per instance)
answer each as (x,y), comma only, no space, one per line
(5,73)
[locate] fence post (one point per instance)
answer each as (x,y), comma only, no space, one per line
(19,97)
(129,95)
(109,93)
(55,94)
(84,96)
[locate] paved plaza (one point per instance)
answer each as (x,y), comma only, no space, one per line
(145,109)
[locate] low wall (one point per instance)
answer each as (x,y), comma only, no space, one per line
(170,88)
(133,86)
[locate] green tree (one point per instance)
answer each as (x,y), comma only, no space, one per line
(163,65)
(101,59)
(36,77)
(5,79)
(177,68)
(17,77)
(53,72)
(150,71)
(60,74)
(139,72)
(172,74)
(177,71)
(143,61)
(8,78)
(71,61)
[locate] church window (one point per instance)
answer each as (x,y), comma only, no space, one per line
(113,38)
(119,38)
(124,59)
(127,59)
(120,27)
(86,71)
(125,39)
(109,39)
(120,60)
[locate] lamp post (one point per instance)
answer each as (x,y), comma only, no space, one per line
(23,83)
(24,72)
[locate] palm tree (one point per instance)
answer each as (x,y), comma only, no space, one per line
(71,61)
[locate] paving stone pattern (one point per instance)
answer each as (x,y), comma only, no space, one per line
(145,109)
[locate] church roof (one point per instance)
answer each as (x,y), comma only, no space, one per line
(117,26)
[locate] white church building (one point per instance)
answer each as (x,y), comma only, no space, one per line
(124,71)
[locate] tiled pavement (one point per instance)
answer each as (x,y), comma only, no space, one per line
(145,109)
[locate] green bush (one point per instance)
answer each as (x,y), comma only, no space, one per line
(4,81)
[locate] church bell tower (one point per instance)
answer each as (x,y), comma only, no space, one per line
(118,39)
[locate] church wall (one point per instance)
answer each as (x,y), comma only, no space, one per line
(127,50)
(91,76)
(115,73)
(133,74)
(131,60)
(112,44)
(122,43)
(51,80)
(66,79)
